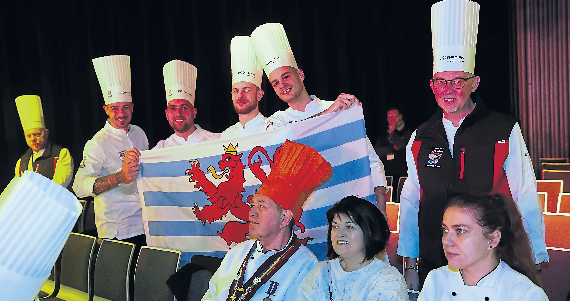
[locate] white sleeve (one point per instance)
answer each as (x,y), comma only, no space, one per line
(522,184)
(63,168)
(376,166)
(89,169)
(408,243)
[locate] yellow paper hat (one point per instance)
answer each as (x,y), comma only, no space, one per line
(114,75)
(454,35)
(30,111)
(180,80)
(271,46)
(245,65)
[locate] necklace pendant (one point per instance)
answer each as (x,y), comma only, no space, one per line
(256,280)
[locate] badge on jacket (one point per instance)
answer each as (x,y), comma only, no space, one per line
(434,156)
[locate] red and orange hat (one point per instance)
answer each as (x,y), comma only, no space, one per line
(296,172)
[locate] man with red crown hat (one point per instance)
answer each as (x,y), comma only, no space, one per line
(272,264)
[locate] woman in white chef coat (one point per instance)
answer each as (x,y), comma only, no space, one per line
(357,232)
(488,253)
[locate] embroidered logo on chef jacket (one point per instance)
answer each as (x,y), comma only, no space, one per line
(109,94)
(122,155)
(434,156)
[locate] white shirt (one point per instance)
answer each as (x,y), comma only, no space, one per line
(522,184)
(254,126)
(287,279)
(376,281)
(199,135)
(502,284)
(117,211)
(283,118)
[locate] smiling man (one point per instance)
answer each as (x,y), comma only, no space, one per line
(180,86)
(464,147)
(48,159)
(272,264)
(246,89)
(271,46)
(110,163)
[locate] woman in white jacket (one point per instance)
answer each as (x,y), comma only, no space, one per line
(488,253)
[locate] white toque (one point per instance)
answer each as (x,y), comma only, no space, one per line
(114,75)
(454,35)
(245,65)
(180,80)
(271,47)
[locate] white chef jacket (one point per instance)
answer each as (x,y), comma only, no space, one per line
(502,284)
(117,211)
(287,278)
(199,135)
(283,118)
(254,126)
(522,184)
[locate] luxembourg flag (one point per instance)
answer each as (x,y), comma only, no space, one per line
(194,197)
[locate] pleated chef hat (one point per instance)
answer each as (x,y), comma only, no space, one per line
(245,65)
(454,35)
(30,111)
(114,75)
(271,46)
(296,172)
(36,217)
(180,80)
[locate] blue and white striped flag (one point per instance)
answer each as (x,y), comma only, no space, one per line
(168,197)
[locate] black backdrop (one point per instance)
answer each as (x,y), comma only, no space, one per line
(379,51)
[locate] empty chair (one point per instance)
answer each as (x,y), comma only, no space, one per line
(563,175)
(399,189)
(111,277)
(389,180)
(553,188)
(556,166)
(154,267)
(564,203)
(553,160)
(542,198)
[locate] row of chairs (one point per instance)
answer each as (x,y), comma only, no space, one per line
(109,279)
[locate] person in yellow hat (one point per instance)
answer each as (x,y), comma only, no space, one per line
(44,157)
(180,86)
(272,265)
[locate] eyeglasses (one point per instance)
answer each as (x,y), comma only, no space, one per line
(456,83)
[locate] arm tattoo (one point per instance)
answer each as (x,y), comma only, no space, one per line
(107,183)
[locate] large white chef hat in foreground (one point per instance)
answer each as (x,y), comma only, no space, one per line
(271,47)
(245,65)
(180,80)
(30,111)
(454,35)
(114,75)
(36,217)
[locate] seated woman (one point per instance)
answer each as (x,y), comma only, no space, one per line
(357,232)
(488,253)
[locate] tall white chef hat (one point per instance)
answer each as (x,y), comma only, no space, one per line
(180,80)
(271,47)
(245,65)
(30,111)
(114,75)
(454,35)
(36,217)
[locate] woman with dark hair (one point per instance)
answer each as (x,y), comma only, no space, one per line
(488,253)
(357,232)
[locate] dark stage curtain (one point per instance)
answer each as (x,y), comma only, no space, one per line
(543,51)
(379,51)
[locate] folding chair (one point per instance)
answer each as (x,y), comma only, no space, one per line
(563,175)
(564,203)
(553,188)
(111,277)
(154,267)
(399,190)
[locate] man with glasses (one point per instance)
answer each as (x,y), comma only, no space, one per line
(463,147)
